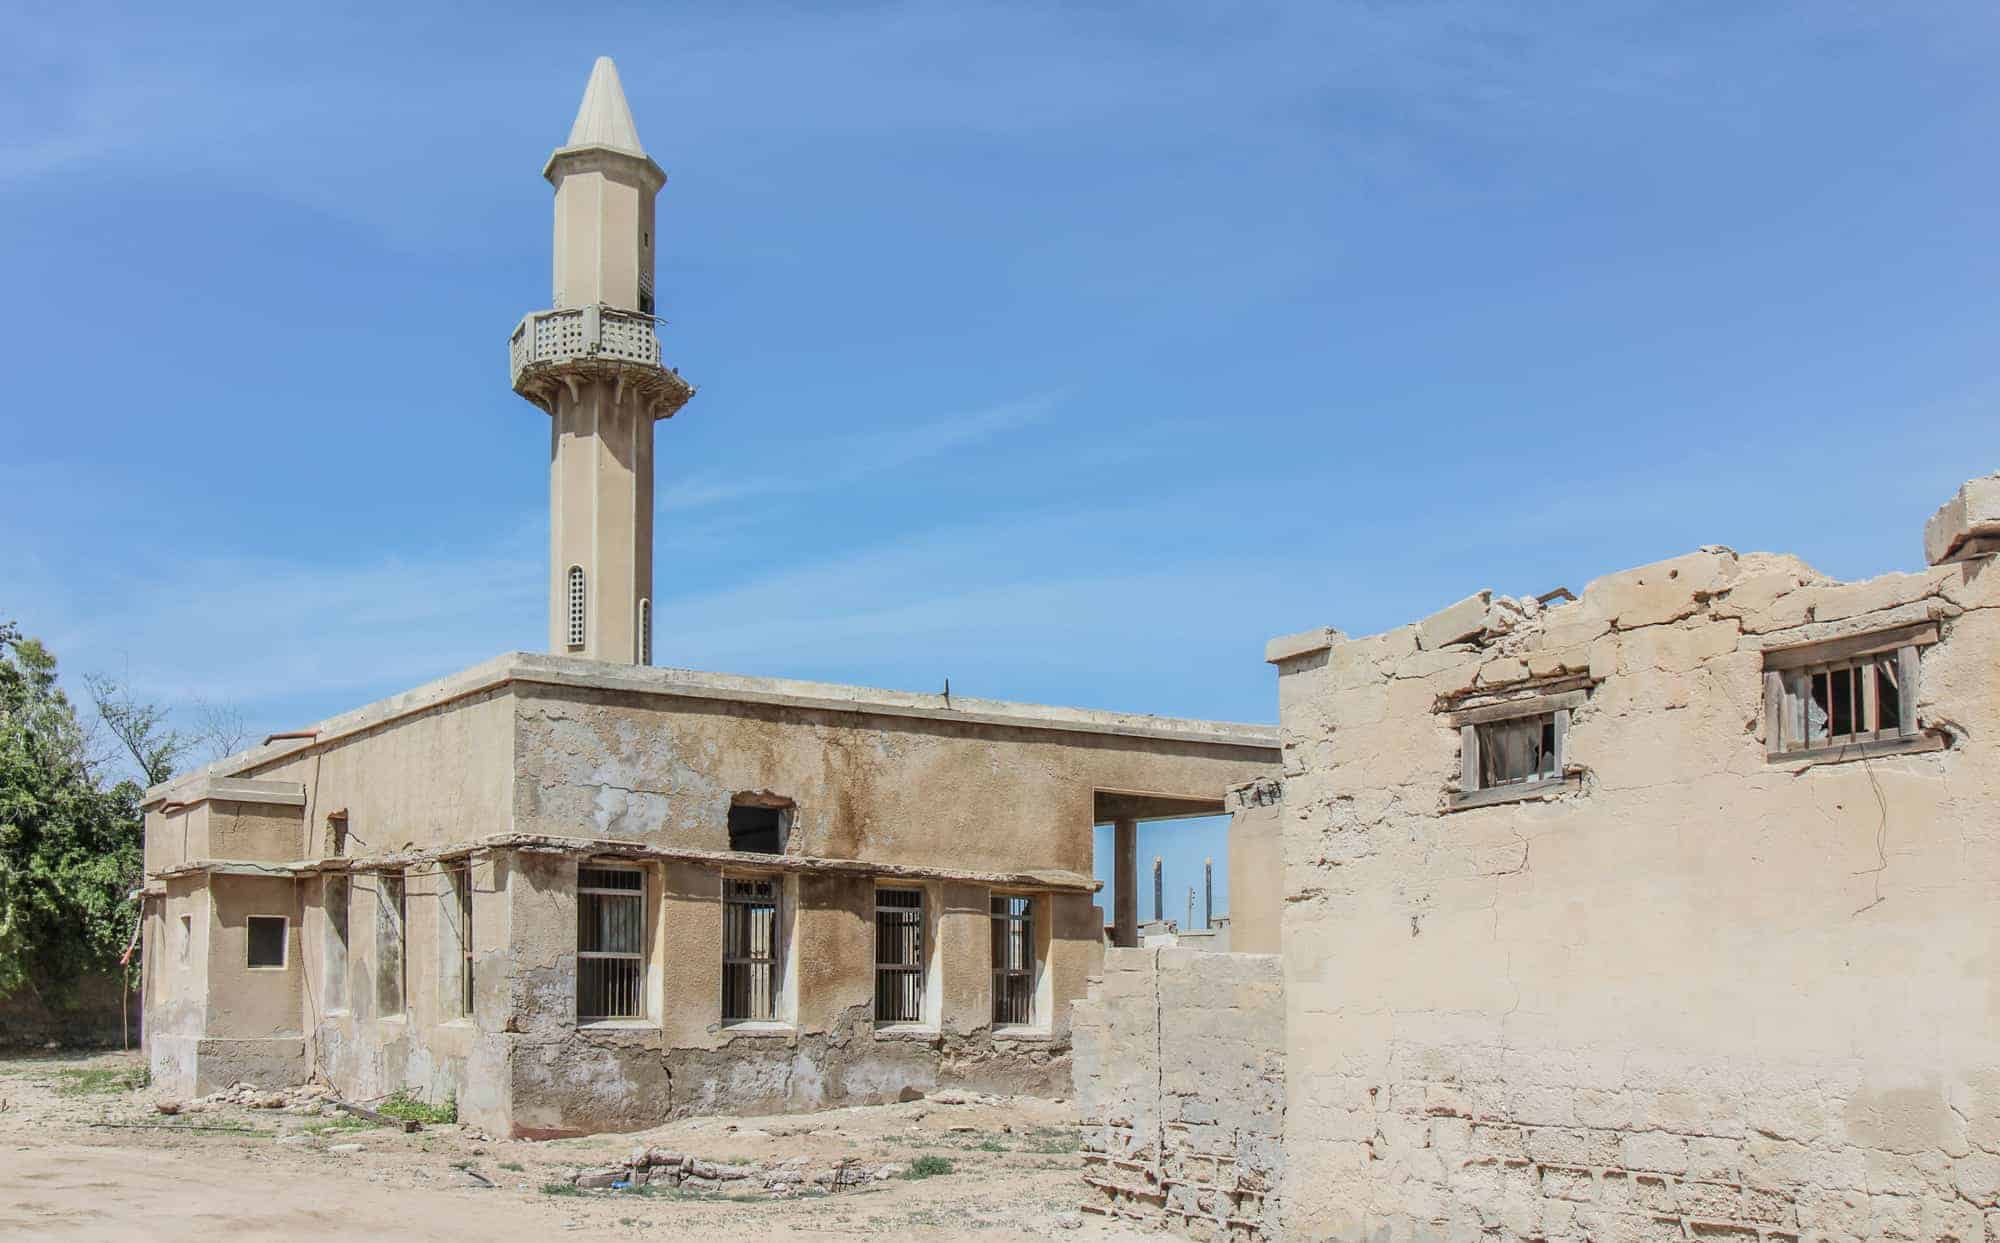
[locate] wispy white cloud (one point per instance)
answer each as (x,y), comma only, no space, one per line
(832,464)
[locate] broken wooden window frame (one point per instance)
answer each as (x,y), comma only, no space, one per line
(252,926)
(1016,982)
(754,946)
(1476,725)
(1816,677)
(335,898)
(902,953)
(611,940)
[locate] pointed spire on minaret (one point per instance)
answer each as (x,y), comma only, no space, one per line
(605,119)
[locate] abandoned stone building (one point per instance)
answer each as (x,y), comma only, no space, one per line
(579,893)
(1669,910)
(1666,912)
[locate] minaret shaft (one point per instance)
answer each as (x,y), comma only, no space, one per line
(601,522)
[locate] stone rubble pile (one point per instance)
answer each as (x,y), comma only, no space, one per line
(647,1167)
(304,1098)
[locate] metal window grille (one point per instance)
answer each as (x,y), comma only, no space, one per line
(576,606)
(899,955)
(333,900)
(1013,960)
(1849,701)
(645,632)
(750,957)
(1517,751)
(610,942)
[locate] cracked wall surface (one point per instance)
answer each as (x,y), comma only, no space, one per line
(1691,992)
(569,767)
(1179,1073)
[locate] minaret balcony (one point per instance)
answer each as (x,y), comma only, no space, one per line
(551,350)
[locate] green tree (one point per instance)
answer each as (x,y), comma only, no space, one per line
(70,849)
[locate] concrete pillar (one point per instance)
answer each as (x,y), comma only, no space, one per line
(1208,893)
(1125,883)
(1159,891)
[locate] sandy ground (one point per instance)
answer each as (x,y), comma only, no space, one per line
(67,1172)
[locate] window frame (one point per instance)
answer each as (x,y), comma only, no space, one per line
(641,986)
(1559,706)
(774,963)
(338,933)
(284,943)
(392,925)
(1788,675)
(576,604)
(1028,918)
(919,967)
(455,938)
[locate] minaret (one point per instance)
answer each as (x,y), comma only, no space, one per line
(593,363)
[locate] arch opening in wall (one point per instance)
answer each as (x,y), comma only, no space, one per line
(576,598)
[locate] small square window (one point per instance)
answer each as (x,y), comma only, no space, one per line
(267,937)
(1517,751)
(1514,749)
(757,828)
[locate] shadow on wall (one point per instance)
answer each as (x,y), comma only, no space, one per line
(104,1015)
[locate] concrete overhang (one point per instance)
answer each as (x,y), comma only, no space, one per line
(1053,879)
(1111,806)
(564,672)
(207,786)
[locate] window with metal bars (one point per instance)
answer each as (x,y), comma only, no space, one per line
(1013,960)
(610,942)
(751,950)
(333,901)
(1855,695)
(899,955)
(576,599)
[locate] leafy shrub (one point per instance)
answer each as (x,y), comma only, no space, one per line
(928,1166)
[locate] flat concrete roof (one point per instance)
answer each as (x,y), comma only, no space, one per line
(537,668)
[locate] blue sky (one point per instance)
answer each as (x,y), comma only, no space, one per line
(1068,351)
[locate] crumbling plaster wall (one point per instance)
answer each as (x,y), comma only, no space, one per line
(662,770)
(1256,867)
(1179,1073)
(1701,994)
(427,1046)
(681,1059)
(176,982)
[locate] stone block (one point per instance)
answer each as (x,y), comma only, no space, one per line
(1662,592)
(1973,512)
(1654,1150)
(1455,624)
(1304,643)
